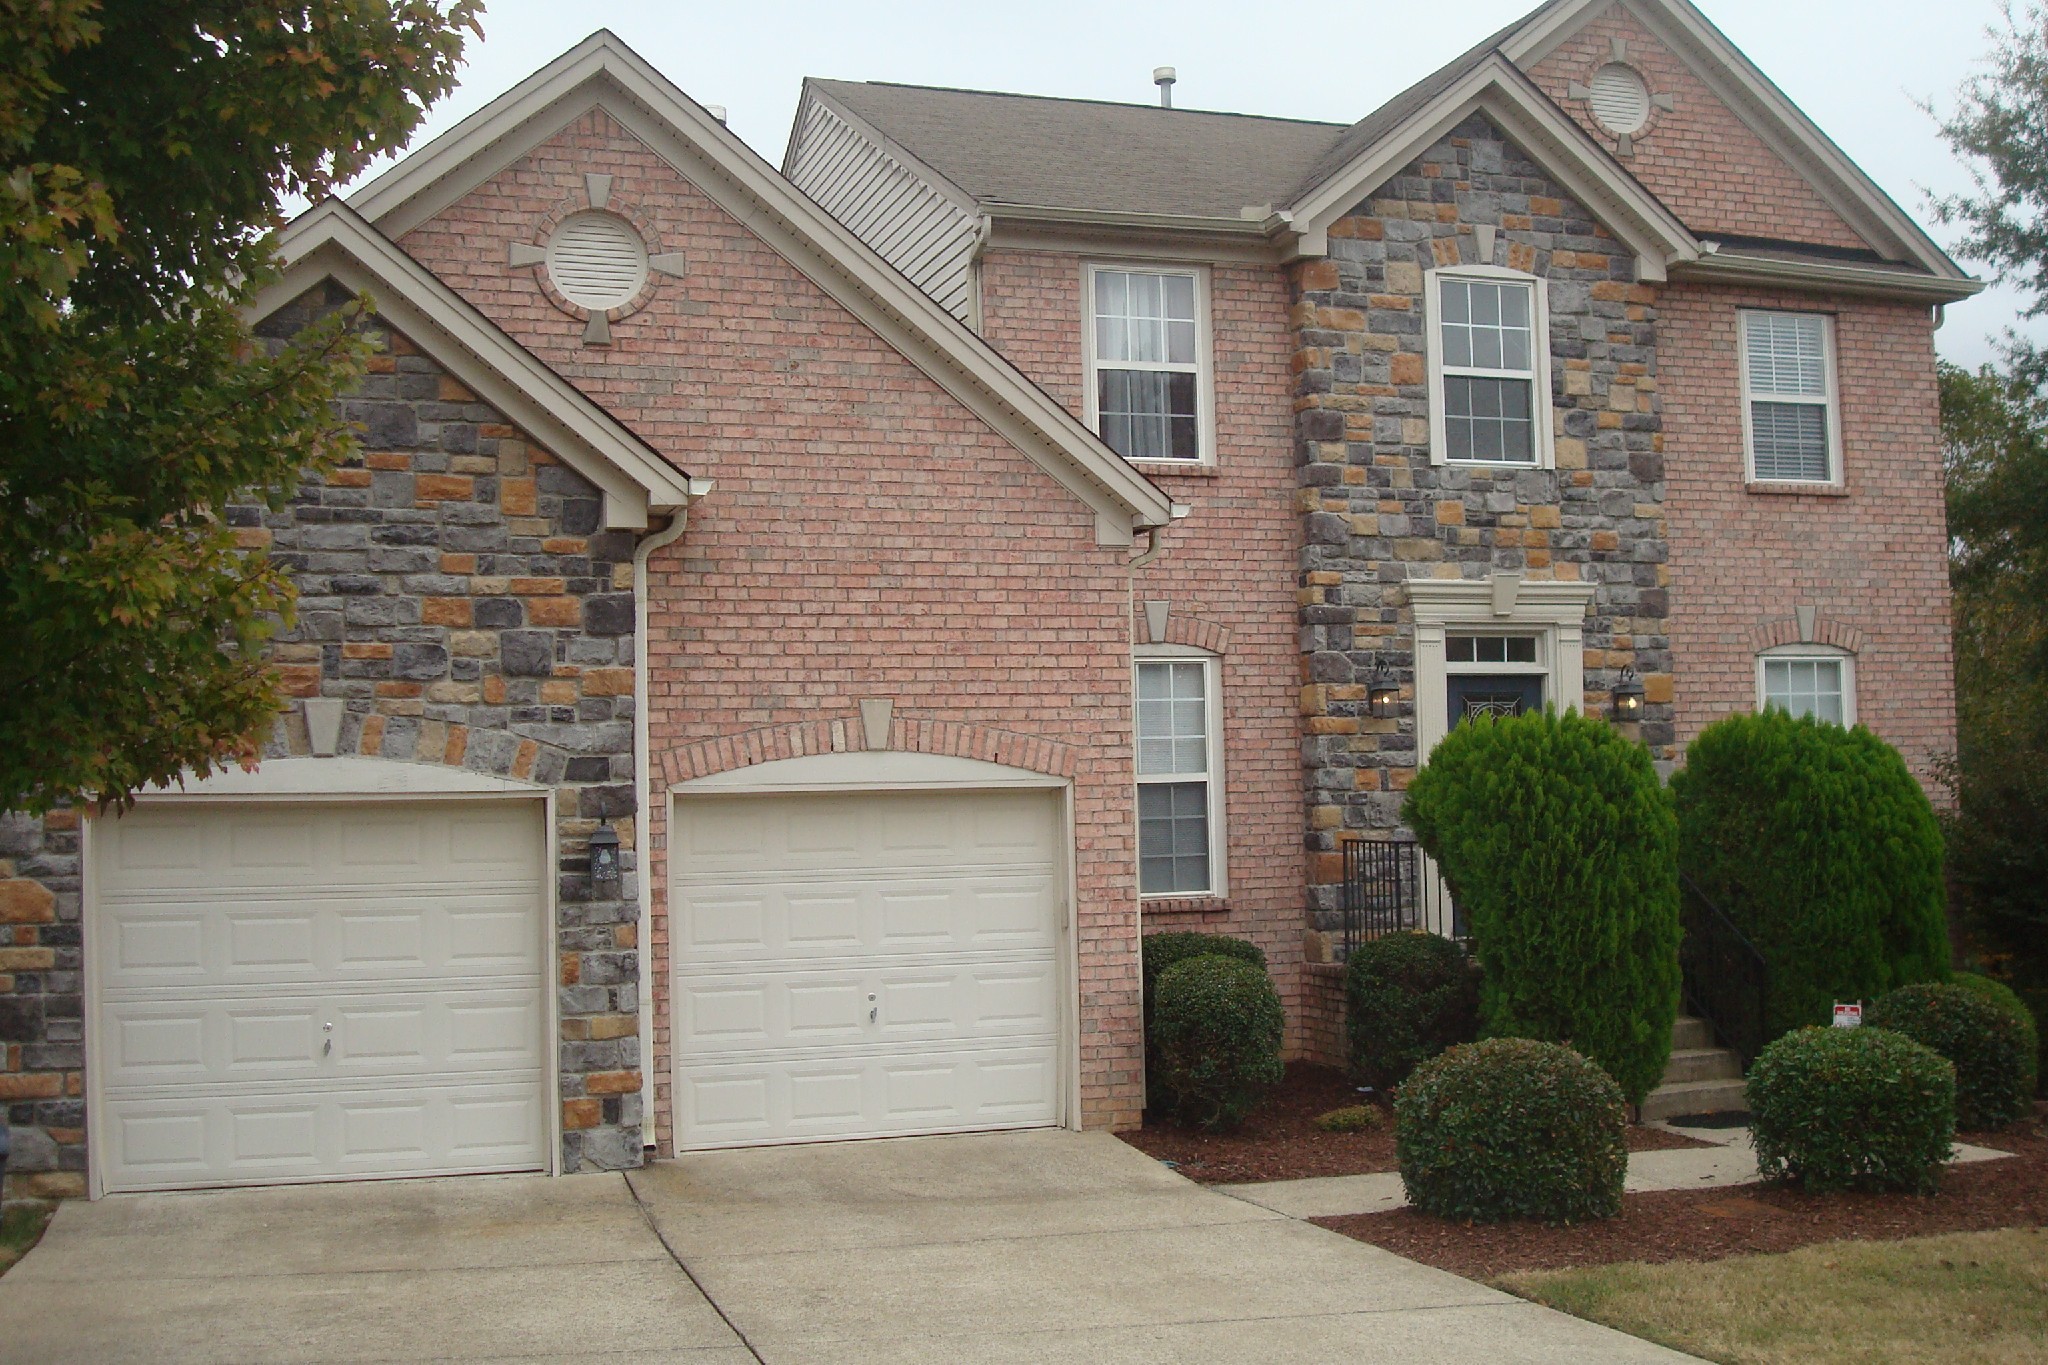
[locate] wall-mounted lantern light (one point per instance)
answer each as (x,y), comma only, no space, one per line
(1384,693)
(1628,697)
(604,859)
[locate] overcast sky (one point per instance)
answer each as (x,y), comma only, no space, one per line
(1858,67)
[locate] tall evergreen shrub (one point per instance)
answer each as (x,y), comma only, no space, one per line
(1560,846)
(1822,848)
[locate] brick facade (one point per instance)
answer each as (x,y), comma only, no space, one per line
(867,538)
(1377,512)
(1699,158)
(1870,558)
(1242,516)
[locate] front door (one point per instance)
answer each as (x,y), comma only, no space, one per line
(1492,694)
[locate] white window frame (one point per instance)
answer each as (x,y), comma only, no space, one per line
(1204,368)
(1811,653)
(1212,691)
(1830,402)
(1545,445)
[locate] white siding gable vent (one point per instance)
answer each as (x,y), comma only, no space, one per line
(1619,98)
(597,260)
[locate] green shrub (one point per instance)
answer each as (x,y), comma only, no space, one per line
(1986,1045)
(1352,1118)
(1512,1128)
(1819,845)
(1157,952)
(1559,844)
(1216,1030)
(1408,996)
(1838,1109)
(2007,999)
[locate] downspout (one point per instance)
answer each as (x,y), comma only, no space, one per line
(643,777)
(1153,547)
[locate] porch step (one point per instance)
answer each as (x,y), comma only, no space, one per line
(1702,1064)
(1694,1097)
(1688,1033)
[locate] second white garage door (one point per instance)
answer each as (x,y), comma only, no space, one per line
(862,965)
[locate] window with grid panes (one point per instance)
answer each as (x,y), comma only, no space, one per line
(1486,334)
(1175,831)
(1788,396)
(1147,351)
(1817,687)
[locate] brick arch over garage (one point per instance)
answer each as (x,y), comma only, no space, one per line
(845,733)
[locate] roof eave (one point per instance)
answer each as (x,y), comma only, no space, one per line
(1726,267)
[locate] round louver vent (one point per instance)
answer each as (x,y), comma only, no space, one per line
(597,260)
(1620,100)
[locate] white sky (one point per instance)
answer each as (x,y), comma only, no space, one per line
(1876,60)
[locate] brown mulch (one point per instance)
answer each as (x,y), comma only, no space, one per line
(1706,1225)
(1279,1140)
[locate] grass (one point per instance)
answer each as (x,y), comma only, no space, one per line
(1966,1298)
(20,1227)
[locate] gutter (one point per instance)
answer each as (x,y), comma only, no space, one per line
(643,782)
(1732,267)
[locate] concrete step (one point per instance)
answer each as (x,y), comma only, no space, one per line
(1694,1097)
(1688,1032)
(1702,1064)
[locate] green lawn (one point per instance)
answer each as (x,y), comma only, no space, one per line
(19,1229)
(1967,1298)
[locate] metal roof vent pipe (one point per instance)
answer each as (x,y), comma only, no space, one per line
(1163,77)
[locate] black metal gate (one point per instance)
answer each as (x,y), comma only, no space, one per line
(1389,887)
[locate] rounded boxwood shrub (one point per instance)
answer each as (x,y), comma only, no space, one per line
(2005,998)
(1984,1043)
(1559,844)
(1822,848)
(1408,996)
(1512,1128)
(1157,952)
(1216,1031)
(1852,1108)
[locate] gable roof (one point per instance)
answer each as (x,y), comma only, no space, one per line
(602,71)
(1034,151)
(332,241)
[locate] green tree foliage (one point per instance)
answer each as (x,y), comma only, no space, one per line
(1822,848)
(147,148)
(1560,846)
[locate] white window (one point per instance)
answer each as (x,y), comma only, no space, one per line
(1489,367)
(1789,412)
(1180,785)
(1807,681)
(1147,343)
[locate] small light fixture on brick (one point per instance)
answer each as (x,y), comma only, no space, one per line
(1384,692)
(1628,697)
(604,860)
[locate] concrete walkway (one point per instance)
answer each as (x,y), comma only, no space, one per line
(1040,1247)
(1053,1246)
(1731,1160)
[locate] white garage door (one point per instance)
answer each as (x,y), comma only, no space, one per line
(860,965)
(318,991)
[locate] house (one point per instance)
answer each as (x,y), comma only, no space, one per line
(788,635)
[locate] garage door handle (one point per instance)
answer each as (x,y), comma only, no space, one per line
(327,1048)
(872,1012)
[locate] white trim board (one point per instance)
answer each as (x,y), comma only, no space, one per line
(331,241)
(300,778)
(602,72)
(869,770)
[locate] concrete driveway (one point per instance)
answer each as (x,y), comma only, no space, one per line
(1045,1246)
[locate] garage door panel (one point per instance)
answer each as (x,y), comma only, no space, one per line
(716,839)
(319,991)
(822,1007)
(189,1141)
(970,912)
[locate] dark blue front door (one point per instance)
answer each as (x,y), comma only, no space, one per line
(1493,694)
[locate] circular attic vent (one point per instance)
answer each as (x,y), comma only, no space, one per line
(1620,100)
(597,260)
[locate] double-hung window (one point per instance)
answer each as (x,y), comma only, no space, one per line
(1145,357)
(1808,682)
(1789,411)
(1489,367)
(1179,787)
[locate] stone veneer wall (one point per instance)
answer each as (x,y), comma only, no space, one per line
(1378,513)
(458,591)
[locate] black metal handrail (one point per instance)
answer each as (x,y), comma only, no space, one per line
(1727,982)
(1388,888)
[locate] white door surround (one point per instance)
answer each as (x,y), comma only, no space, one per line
(1554,611)
(291,981)
(870,944)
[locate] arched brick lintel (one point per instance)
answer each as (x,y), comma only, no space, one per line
(839,734)
(1785,631)
(1191,631)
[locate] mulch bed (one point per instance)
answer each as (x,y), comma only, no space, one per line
(1279,1141)
(1706,1225)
